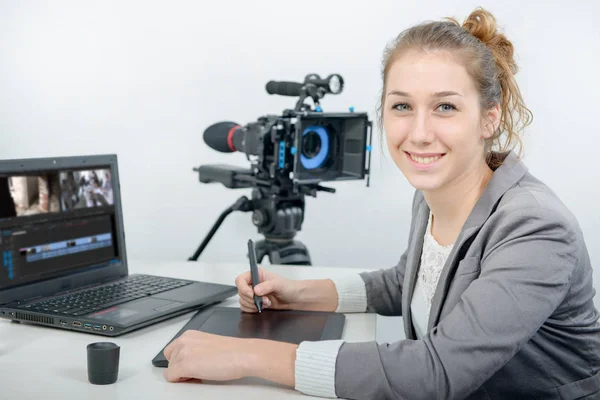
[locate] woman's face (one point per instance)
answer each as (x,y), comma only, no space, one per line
(432,119)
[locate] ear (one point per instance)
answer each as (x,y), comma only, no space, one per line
(491,121)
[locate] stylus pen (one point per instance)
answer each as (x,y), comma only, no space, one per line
(254,274)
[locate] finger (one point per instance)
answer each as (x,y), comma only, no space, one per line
(168,352)
(265,274)
(174,372)
(248,294)
(250,303)
(243,285)
(247,307)
(178,343)
(246,303)
(181,379)
(266,301)
(248,310)
(265,288)
(243,279)
(175,351)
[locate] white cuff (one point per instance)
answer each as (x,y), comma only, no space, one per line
(315,367)
(352,294)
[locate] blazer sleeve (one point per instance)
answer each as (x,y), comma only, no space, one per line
(526,271)
(384,287)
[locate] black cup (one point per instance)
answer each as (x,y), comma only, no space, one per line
(103,363)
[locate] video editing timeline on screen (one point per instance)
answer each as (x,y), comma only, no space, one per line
(55,222)
(57,249)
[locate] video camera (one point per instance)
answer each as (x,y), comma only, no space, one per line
(290,156)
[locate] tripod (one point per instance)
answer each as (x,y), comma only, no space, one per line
(279,217)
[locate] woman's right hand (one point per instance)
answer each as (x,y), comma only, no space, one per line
(277,292)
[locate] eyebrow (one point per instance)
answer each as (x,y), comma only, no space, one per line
(436,94)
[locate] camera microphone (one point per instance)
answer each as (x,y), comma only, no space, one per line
(225,136)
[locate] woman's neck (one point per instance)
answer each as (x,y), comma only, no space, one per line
(451,205)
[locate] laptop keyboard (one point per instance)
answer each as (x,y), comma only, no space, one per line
(105,296)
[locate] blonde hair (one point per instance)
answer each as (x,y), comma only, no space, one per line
(488,58)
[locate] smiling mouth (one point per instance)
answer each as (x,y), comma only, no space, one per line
(425,160)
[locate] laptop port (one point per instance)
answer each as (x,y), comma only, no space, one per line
(87,326)
(76,323)
(111,329)
(97,327)
(63,322)
(103,327)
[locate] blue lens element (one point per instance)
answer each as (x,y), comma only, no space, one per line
(319,159)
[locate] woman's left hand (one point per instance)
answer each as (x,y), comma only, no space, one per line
(201,355)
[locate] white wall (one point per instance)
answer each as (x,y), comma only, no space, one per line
(144,79)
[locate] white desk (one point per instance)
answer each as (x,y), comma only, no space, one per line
(46,363)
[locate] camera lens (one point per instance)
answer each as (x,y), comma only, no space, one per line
(311,144)
(315,147)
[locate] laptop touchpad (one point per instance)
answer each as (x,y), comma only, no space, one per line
(131,312)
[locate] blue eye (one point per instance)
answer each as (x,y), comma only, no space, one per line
(401,107)
(447,107)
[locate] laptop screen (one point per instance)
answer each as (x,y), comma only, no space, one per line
(54,222)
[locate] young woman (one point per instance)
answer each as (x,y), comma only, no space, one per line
(495,286)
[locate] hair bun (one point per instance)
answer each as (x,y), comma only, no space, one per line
(482,24)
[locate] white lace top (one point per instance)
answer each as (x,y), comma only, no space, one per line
(433,258)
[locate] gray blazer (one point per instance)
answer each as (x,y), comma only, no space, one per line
(513,314)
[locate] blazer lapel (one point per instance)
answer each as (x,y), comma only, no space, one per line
(412,266)
(510,172)
(445,276)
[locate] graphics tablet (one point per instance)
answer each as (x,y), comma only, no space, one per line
(283,326)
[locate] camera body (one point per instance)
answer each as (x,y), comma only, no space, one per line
(301,147)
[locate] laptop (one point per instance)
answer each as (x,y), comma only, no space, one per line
(63,259)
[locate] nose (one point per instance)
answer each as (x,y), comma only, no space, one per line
(421,133)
